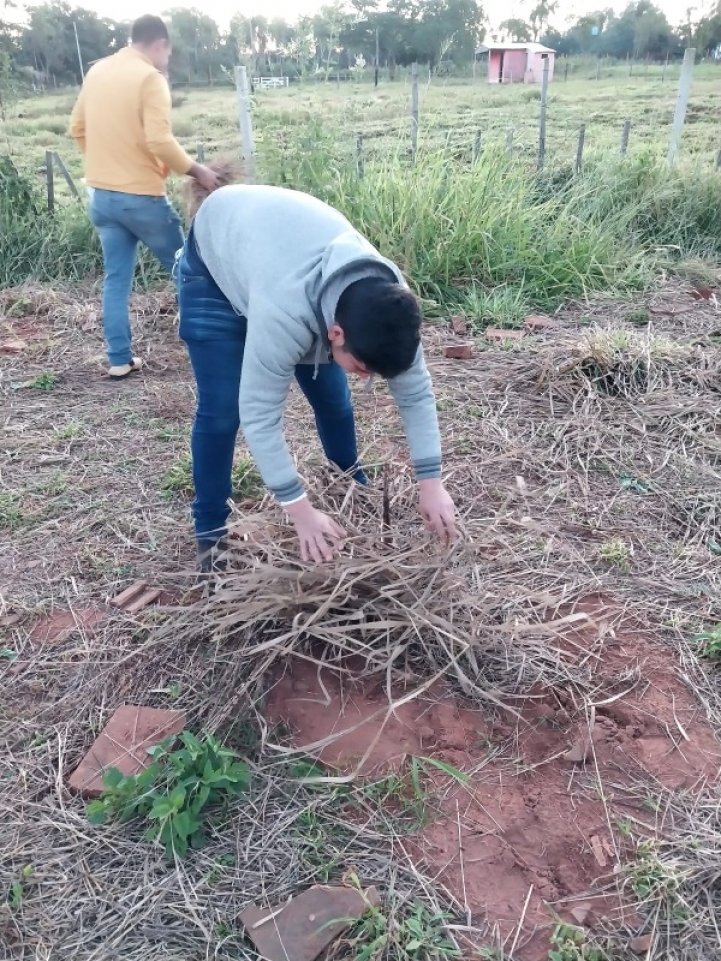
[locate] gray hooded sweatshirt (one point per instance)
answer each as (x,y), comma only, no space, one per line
(283,259)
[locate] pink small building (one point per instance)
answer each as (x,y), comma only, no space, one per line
(517,62)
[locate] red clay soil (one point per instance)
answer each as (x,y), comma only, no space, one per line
(540,832)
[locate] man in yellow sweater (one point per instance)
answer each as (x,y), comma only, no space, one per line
(121,122)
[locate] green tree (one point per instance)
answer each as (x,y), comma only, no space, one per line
(539,17)
(517,29)
(196,44)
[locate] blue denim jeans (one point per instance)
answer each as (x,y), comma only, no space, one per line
(122,221)
(215,337)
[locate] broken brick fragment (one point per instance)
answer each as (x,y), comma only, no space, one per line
(458,351)
(123,744)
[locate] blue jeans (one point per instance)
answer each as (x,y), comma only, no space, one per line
(215,337)
(122,220)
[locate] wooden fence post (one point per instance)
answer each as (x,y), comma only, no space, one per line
(200,150)
(509,141)
(598,69)
(684,88)
(66,176)
(246,124)
(624,137)
(542,119)
(414,112)
(359,156)
(579,152)
(378,59)
(50,174)
(477,147)
(718,160)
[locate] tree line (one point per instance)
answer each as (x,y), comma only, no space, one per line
(444,34)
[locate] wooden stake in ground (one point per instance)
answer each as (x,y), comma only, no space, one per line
(509,141)
(684,88)
(579,152)
(414,112)
(50,174)
(246,124)
(542,119)
(625,133)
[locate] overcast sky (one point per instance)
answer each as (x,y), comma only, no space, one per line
(497,10)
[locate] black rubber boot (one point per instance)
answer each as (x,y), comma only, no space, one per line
(210,556)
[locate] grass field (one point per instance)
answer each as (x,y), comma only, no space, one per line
(451,113)
(517,743)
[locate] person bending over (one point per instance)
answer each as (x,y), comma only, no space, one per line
(273,285)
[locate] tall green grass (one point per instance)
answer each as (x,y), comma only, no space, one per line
(464,233)
(494,237)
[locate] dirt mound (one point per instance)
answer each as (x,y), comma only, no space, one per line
(543,819)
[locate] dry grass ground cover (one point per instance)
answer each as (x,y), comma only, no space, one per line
(516,743)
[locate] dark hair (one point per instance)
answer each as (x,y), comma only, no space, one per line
(381,321)
(147,30)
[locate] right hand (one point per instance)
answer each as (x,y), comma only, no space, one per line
(321,539)
(206,177)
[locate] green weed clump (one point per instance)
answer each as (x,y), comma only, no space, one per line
(174,791)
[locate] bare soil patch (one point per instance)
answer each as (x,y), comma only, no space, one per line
(545,829)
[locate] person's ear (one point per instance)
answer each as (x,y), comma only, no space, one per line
(336,336)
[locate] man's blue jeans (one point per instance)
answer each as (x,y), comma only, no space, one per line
(215,337)
(122,221)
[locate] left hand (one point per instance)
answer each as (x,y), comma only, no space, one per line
(437,510)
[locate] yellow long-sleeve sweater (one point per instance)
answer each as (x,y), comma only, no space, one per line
(121,121)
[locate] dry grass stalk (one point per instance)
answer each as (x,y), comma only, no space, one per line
(228,170)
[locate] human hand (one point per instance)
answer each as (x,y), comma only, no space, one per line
(206,177)
(320,537)
(437,510)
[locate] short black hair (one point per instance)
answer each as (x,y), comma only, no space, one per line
(381,321)
(147,30)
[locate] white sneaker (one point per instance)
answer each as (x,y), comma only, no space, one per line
(125,370)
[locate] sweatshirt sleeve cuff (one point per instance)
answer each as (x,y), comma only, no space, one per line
(289,493)
(428,469)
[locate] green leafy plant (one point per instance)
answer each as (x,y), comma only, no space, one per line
(173,791)
(708,644)
(634,484)
(568,943)
(178,478)
(616,552)
(247,483)
(16,892)
(419,935)
(10,512)
(47,380)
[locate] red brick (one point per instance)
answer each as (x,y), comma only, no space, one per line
(702,293)
(539,322)
(458,351)
(302,929)
(58,627)
(123,744)
(145,600)
(129,594)
(496,333)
